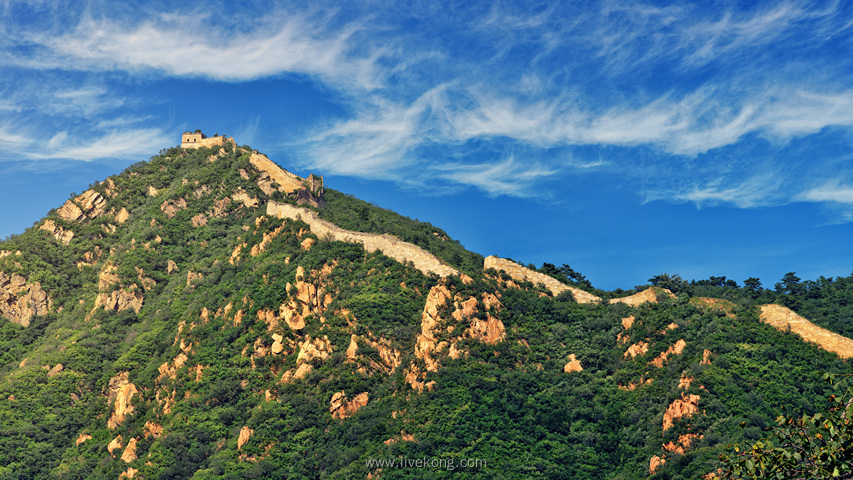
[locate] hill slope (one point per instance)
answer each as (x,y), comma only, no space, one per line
(186,319)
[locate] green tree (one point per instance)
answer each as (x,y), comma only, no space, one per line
(673,283)
(810,446)
(752,285)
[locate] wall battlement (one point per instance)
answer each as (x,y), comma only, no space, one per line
(390,246)
(198,140)
(521,274)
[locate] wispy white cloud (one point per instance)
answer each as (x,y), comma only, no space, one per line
(446,94)
(760,190)
(29,144)
(185,44)
(832,191)
(510,176)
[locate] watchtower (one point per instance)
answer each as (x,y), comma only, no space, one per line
(192,139)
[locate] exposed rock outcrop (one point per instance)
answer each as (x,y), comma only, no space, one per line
(130,473)
(55,370)
(308,299)
(171,207)
(114,445)
(309,350)
(675,349)
(89,204)
(391,246)
(199,220)
(654,463)
(340,408)
(82,438)
(639,348)
(574,365)
(522,274)
(122,215)
(438,335)
(60,234)
(122,392)
(245,435)
(685,406)
(783,318)
(20,301)
(129,453)
(123,298)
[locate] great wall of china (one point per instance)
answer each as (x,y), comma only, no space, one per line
(517,272)
(391,246)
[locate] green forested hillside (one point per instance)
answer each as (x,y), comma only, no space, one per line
(202,338)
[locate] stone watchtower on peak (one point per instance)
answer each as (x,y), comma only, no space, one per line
(197,140)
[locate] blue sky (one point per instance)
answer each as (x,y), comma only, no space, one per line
(625,139)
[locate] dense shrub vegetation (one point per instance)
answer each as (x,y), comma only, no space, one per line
(510,405)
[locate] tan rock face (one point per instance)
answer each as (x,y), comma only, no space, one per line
(92,203)
(171,266)
(55,370)
(245,435)
(71,212)
(783,318)
(129,454)
(89,204)
(309,298)
(83,437)
(171,207)
(310,349)
(706,357)
(117,300)
(247,200)
(114,445)
(129,473)
(170,370)
(655,463)
(153,429)
(340,408)
(574,365)
(151,191)
(437,334)
(122,215)
(672,350)
(652,295)
(122,391)
(522,274)
(20,301)
(199,220)
(193,276)
(639,348)
(220,207)
(628,322)
(685,406)
(59,233)
(683,443)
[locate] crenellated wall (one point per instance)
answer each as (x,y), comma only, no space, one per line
(198,140)
(387,244)
(521,274)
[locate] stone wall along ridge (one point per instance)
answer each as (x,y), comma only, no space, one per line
(390,246)
(783,318)
(517,272)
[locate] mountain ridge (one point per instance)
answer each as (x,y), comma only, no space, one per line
(203,325)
